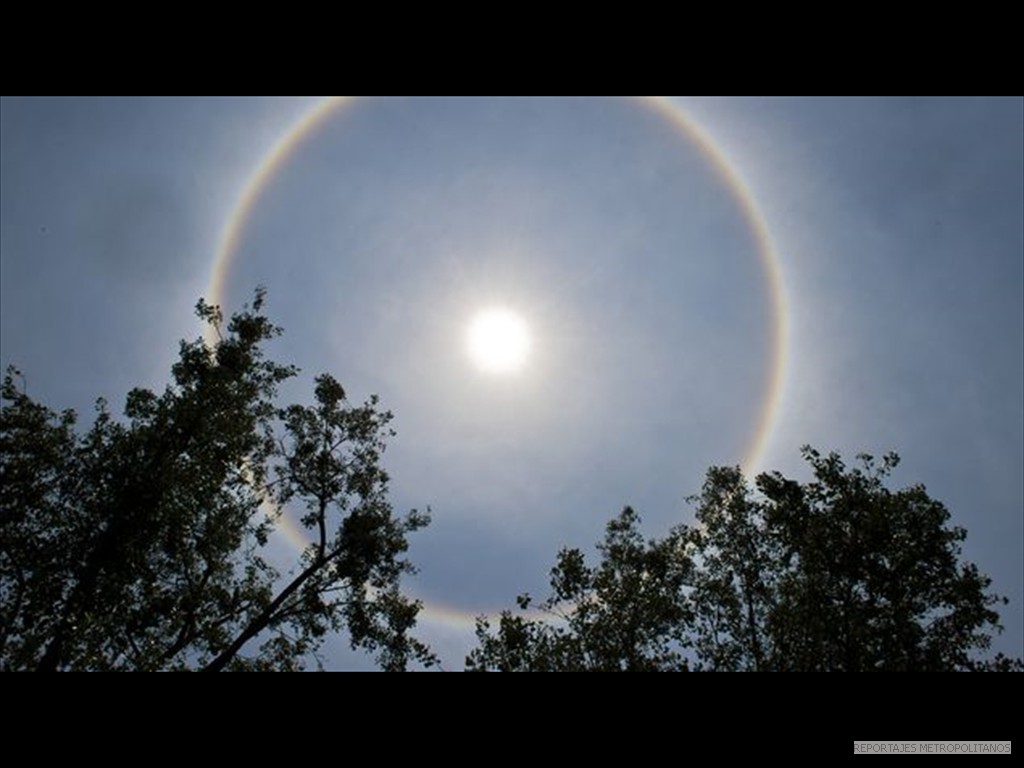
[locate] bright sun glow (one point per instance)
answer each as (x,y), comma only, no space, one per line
(498,341)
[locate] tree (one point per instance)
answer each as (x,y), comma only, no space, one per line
(839,573)
(137,545)
(627,614)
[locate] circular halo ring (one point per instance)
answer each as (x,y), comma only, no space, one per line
(295,136)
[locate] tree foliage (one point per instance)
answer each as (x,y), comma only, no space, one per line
(624,614)
(839,573)
(138,544)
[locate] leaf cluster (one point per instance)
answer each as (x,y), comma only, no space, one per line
(839,573)
(137,545)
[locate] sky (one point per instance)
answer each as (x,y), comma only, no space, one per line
(705,281)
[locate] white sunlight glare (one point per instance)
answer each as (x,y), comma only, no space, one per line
(498,341)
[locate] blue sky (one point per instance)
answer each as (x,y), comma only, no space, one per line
(898,226)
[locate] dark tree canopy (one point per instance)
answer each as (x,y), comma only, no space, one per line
(625,614)
(839,573)
(137,544)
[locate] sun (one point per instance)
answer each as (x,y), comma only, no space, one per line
(498,340)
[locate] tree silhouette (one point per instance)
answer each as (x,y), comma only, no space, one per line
(624,614)
(137,545)
(839,573)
